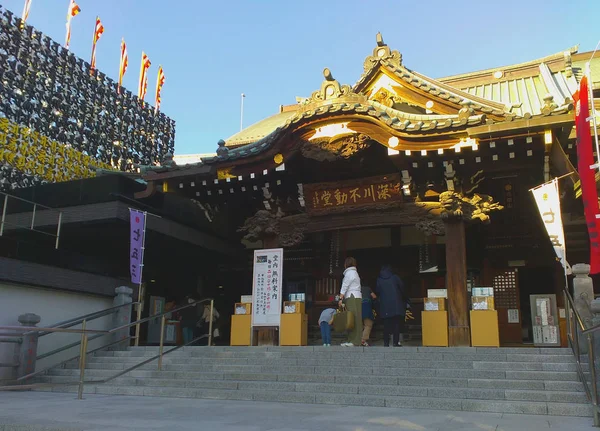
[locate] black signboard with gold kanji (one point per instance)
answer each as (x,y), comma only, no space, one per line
(347,195)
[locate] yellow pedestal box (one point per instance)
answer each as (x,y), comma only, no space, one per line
(435,328)
(293,330)
(241,329)
(484,328)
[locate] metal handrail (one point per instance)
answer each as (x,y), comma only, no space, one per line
(84,341)
(67,347)
(88,317)
(573,336)
(156,316)
(102,381)
(36,373)
(30,202)
(34,328)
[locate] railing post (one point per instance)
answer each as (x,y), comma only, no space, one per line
(592,365)
(210,323)
(568,320)
(58,230)
(28,348)
(33,216)
(82,357)
(140,307)
(4,207)
(122,316)
(162,341)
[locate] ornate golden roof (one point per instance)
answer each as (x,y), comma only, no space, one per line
(413,105)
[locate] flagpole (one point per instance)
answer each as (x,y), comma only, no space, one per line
(242,113)
(140,285)
(552,180)
(140,299)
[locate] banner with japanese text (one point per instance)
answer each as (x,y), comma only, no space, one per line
(266,287)
(585,159)
(547,199)
(136,247)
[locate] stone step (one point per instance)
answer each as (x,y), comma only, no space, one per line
(548,371)
(366,389)
(311,397)
(550,384)
(391,354)
(410,363)
(480,350)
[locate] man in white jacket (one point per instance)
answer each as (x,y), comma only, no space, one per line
(351,295)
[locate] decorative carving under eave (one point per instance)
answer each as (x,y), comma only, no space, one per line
(292,238)
(330,89)
(265,224)
(385,97)
(382,53)
(476,207)
(327,149)
(261,225)
(431,227)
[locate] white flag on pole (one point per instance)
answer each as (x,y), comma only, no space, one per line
(548,202)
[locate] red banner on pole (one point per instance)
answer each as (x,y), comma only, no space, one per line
(585,159)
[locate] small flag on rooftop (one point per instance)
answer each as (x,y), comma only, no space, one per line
(143,84)
(98,30)
(74,9)
(122,64)
(160,81)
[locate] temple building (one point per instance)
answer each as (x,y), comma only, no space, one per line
(429,175)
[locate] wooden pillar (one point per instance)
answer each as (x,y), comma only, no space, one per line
(456,283)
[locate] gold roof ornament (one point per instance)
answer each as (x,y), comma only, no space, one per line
(330,89)
(382,52)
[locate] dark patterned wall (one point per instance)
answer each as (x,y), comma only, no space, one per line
(51,104)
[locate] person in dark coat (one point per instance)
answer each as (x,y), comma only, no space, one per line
(393,297)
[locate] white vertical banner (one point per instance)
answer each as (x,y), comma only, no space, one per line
(266,287)
(548,202)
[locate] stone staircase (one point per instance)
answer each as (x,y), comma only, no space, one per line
(505,380)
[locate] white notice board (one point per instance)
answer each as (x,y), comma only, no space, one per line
(266,287)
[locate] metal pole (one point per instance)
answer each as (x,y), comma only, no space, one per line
(568,319)
(162,340)
(33,217)
(3,214)
(58,230)
(210,323)
(592,364)
(139,314)
(82,350)
(242,113)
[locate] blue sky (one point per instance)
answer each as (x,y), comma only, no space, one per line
(274,50)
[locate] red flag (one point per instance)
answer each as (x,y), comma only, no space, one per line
(74,9)
(143,85)
(160,81)
(585,156)
(122,64)
(98,30)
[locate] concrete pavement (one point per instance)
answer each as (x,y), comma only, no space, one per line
(42,411)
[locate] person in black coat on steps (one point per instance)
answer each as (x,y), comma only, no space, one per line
(392,307)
